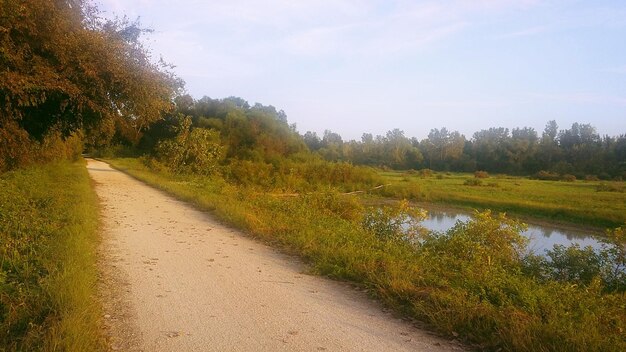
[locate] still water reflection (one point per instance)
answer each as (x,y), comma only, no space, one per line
(542,236)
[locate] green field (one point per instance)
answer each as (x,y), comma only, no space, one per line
(467,284)
(594,203)
(48,239)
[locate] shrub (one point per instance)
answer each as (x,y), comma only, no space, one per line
(481,174)
(591,178)
(398,223)
(568,178)
(426,172)
(195,150)
(17,149)
(582,266)
(546,176)
(473,182)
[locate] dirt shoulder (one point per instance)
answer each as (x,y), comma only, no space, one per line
(174,279)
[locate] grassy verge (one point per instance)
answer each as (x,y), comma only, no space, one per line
(48,238)
(583,202)
(466,284)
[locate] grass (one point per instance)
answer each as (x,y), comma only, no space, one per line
(464,284)
(591,203)
(48,239)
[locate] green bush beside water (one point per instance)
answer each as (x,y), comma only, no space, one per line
(472,282)
(48,238)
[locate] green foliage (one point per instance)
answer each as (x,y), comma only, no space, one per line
(399,223)
(301,173)
(584,266)
(48,223)
(485,242)
(256,133)
(195,150)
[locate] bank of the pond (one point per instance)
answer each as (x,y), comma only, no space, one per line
(461,288)
(588,203)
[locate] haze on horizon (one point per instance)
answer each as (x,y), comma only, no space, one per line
(356,66)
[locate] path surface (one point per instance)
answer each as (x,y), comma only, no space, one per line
(174,279)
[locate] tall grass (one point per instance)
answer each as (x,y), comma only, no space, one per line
(48,239)
(466,283)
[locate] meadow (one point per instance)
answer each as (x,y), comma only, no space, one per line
(48,240)
(591,203)
(471,283)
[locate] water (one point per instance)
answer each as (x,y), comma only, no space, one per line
(542,236)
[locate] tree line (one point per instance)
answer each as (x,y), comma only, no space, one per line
(578,150)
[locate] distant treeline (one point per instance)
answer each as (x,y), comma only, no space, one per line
(262,133)
(578,151)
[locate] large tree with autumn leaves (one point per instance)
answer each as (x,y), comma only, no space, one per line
(63,69)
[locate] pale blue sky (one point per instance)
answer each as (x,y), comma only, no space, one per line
(357,66)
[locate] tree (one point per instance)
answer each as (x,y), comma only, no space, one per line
(522,150)
(65,69)
(443,146)
(490,149)
(312,141)
(549,150)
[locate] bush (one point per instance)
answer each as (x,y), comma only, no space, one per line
(481,174)
(195,150)
(568,178)
(473,182)
(426,173)
(582,266)
(398,223)
(591,178)
(17,149)
(546,176)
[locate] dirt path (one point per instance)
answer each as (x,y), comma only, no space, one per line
(174,279)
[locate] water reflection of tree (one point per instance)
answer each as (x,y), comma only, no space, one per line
(546,232)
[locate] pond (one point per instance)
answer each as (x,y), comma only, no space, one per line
(542,236)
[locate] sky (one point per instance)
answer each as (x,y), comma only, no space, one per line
(357,66)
